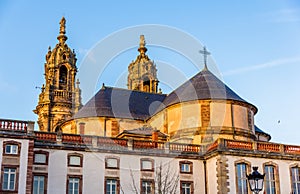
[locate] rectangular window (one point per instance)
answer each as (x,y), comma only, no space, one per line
(186,187)
(38,185)
(74,160)
(9,179)
(11,149)
(295,180)
(111,186)
(270,187)
(186,167)
(147,187)
(40,158)
(241,170)
(112,163)
(146,164)
(73,185)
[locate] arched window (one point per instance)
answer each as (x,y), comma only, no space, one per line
(63,72)
(146,84)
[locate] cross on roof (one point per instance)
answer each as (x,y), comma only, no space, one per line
(205,53)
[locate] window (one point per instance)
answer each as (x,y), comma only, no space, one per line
(147,187)
(111,186)
(9,179)
(11,149)
(112,163)
(75,160)
(147,165)
(39,184)
(186,167)
(186,187)
(40,157)
(270,179)
(295,177)
(74,185)
(241,171)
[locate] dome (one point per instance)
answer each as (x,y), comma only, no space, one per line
(203,86)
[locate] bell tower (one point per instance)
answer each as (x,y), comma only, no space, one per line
(60,98)
(142,74)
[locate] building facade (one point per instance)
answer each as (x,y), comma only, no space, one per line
(199,139)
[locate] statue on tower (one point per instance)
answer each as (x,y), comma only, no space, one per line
(142,41)
(62,23)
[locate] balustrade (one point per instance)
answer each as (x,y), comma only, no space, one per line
(14,125)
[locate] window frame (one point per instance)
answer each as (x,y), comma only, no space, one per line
(147,160)
(186,162)
(16,181)
(75,155)
(276,176)
(115,158)
(151,183)
(296,181)
(15,143)
(187,182)
(117,182)
(41,152)
(74,177)
(248,166)
(45,175)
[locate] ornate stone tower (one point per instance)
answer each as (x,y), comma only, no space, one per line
(60,98)
(142,72)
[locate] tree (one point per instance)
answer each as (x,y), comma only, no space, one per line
(165,181)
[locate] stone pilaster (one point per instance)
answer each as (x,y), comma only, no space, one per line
(222,175)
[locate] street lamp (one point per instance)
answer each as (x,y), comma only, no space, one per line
(256,180)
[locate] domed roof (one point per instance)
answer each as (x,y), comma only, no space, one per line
(121,103)
(203,86)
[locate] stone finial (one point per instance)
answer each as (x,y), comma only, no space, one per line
(142,49)
(142,41)
(62,29)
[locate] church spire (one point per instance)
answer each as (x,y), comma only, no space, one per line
(60,97)
(62,31)
(142,73)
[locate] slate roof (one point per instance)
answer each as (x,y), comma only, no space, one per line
(258,130)
(203,86)
(121,103)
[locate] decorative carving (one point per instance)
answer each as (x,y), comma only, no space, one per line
(142,72)
(59,98)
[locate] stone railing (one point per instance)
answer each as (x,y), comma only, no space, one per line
(16,125)
(61,94)
(224,144)
(143,145)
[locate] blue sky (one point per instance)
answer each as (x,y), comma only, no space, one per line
(255,47)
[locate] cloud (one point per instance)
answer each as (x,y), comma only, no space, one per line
(277,62)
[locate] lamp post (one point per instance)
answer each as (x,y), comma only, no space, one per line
(256,180)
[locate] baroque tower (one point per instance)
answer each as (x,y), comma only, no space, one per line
(60,99)
(142,72)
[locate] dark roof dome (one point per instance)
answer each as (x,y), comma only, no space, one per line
(121,103)
(203,86)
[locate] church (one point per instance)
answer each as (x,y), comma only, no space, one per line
(200,138)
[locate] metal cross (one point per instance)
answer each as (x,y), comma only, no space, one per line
(205,53)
